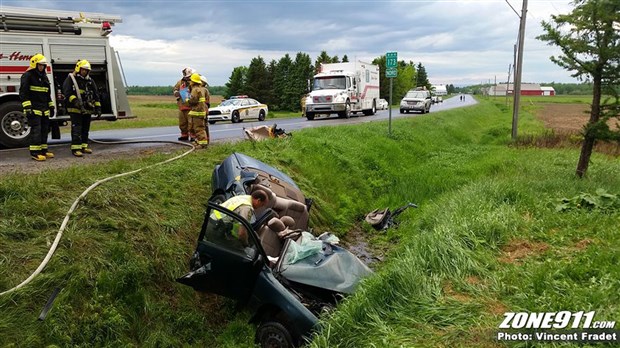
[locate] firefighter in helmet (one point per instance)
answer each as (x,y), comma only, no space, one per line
(34,93)
(180,89)
(198,112)
(83,101)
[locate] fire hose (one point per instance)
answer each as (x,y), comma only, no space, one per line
(52,249)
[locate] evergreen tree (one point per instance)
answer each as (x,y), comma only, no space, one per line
(257,82)
(236,82)
(335,59)
(322,58)
(422,77)
(282,81)
(345,59)
(302,73)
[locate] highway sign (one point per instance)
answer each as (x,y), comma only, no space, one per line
(391,60)
(391,72)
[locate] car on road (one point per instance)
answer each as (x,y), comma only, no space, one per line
(436,99)
(416,100)
(283,274)
(382,104)
(237,109)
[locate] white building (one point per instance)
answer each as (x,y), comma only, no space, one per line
(439,89)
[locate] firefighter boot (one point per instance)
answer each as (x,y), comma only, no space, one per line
(77,153)
(38,157)
(47,153)
(87,150)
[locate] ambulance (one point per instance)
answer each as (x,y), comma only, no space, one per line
(63,37)
(344,89)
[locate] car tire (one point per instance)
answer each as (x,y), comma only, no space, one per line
(402,111)
(372,111)
(11,112)
(234,118)
(273,334)
(261,115)
(347,110)
(211,122)
(310,116)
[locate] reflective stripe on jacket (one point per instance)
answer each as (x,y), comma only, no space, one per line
(34,92)
(87,90)
(197,101)
(234,203)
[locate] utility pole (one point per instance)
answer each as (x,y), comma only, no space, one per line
(518,71)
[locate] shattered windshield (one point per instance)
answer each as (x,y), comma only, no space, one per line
(329,83)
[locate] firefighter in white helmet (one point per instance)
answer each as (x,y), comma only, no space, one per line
(83,101)
(197,102)
(181,92)
(34,93)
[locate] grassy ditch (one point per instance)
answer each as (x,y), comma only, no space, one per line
(486,239)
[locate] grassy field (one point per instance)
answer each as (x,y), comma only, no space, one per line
(500,228)
(161,111)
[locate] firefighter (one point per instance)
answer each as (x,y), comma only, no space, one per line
(303,104)
(184,120)
(34,92)
(197,102)
(83,100)
(243,205)
(205,84)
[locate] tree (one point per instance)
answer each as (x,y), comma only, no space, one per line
(422,77)
(258,81)
(591,50)
(236,82)
(302,72)
(345,59)
(281,82)
(322,58)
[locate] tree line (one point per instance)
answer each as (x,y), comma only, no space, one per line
(281,84)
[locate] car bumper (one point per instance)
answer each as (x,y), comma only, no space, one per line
(319,108)
(413,107)
(218,117)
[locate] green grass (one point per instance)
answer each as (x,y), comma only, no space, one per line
(450,269)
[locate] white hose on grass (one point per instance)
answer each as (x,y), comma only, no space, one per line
(75,203)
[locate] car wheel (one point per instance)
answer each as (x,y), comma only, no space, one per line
(274,335)
(402,111)
(261,115)
(14,128)
(310,116)
(347,110)
(211,122)
(235,117)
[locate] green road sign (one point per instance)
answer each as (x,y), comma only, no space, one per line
(391,72)
(391,60)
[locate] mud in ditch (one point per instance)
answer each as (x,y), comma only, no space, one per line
(359,243)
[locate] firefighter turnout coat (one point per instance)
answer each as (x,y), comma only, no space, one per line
(34,92)
(88,93)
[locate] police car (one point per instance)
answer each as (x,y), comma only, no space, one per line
(237,109)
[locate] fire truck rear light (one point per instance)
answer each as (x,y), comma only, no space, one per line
(10,88)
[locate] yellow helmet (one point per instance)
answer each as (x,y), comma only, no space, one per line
(37,59)
(196,78)
(82,64)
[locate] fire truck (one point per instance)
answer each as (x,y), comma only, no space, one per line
(63,38)
(343,89)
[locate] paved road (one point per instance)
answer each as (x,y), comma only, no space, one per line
(219,132)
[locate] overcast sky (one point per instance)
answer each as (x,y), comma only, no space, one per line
(458,42)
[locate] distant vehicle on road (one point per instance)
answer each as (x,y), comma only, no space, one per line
(416,100)
(382,104)
(237,109)
(436,99)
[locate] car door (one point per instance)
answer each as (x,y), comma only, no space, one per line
(221,264)
(244,112)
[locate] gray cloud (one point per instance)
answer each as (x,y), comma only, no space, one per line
(462,42)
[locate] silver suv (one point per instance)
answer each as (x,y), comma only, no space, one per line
(416,100)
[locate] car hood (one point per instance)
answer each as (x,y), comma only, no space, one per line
(236,162)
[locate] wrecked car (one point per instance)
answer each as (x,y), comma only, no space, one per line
(283,274)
